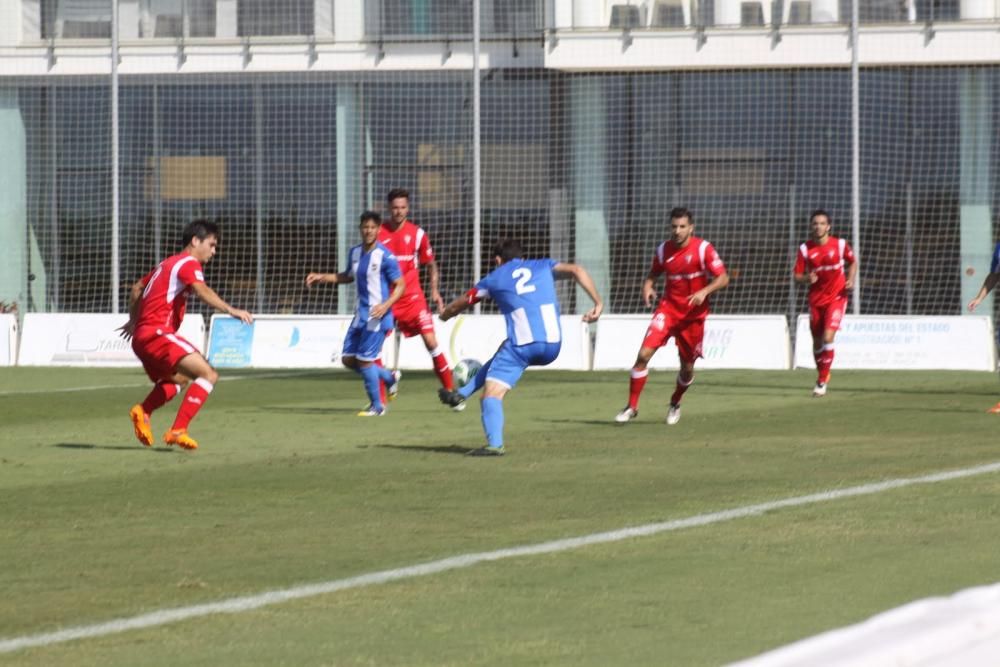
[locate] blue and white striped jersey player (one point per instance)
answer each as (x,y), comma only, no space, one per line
(380,284)
(524,290)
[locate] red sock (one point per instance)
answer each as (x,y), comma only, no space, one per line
(636,382)
(682,386)
(161,393)
(381,385)
(442,370)
(194,398)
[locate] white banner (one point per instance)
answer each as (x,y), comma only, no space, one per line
(281,341)
(479,336)
(960,343)
(731,341)
(87,339)
(8,339)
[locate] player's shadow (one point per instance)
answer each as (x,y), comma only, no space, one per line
(593,422)
(291,410)
(136,448)
(435,449)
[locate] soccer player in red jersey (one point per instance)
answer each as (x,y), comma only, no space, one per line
(693,271)
(821,263)
(156,307)
(412,247)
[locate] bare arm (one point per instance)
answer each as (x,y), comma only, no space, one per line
(398,287)
(649,294)
(718,283)
(988,285)
(852,273)
(208,295)
(806,277)
(134,297)
(329,278)
(456,307)
(435,276)
(583,279)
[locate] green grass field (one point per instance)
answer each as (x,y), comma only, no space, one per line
(290,488)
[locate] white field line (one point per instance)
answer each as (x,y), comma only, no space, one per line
(250,602)
(99,387)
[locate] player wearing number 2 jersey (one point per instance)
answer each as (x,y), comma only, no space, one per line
(156,308)
(693,270)
(821,264)
(524,290)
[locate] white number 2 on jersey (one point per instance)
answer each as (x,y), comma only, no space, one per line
(523,275)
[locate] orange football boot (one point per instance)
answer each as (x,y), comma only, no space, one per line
(995,409)
(140,422)
(180,438)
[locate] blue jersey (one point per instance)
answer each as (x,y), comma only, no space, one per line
(995,261)
(374,272)
(525,291)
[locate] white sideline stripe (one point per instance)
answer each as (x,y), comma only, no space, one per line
(97,387)
(250,602)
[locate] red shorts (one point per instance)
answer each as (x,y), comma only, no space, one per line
(688,334)
(412,316)
(827,317)
(160,351)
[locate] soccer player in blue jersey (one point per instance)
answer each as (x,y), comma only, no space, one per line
(380,284)
(525,291)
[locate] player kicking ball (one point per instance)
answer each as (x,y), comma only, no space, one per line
(156,308)
(820,264)
(380,285)
(525,292)
(693,271)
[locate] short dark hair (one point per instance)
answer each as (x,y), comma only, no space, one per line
(819,211)
(507,249)
(681,212)
(370,215)
(396,193)
(201,230)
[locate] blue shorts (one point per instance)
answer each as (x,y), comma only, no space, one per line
(364,344)
(508,364)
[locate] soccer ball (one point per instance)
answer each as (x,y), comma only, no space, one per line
(464,371)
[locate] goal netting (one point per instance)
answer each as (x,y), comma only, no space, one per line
(581,166)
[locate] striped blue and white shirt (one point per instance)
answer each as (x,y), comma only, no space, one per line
(374,272)
(525,291)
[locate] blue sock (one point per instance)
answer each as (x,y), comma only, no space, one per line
(384,374)
(477,382)
(370,376)
(493,421)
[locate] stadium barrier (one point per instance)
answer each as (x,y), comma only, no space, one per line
(963,343)
(280,341)
(478,337)
(8,339)
(731,341)
(87,339)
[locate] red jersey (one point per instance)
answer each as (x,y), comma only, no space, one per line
(688,270)
(165,298)
(411,246)
(828,262)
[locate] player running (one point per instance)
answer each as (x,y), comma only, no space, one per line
(380,285)
(524,290)
(156,307)
(693,271)
(820,264)
(412,247)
